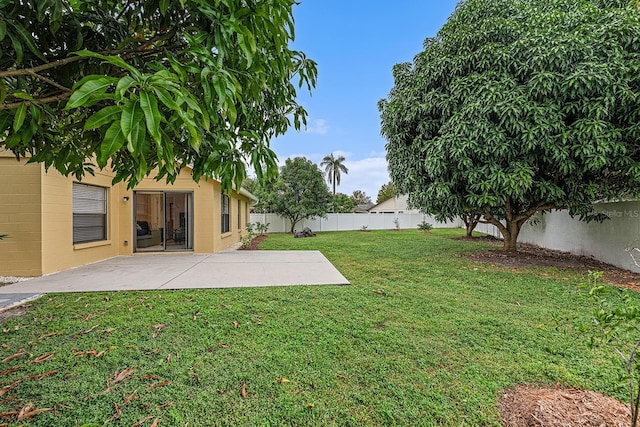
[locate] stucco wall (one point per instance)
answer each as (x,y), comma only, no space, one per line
(36,210)
(226,240)
(20,217)
(58,250)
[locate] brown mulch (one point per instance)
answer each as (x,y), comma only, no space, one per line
(255,243)
(526,406)
(531,256)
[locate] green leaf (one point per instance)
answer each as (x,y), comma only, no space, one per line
(27,39)
(5,121)
(18,119)
(165,97)
(114,60)
(132,115)
(35,114)
(102,117)
(123,85)
(22,95)
(137,139)
(88,91)
(149,105)
(196,137)
(3,30)
(17,46)
(112,142)
(164,5)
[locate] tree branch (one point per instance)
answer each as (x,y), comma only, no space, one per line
(491,220)
(47,100)
(540,206)
(47,80)
(30,71)
(47,66)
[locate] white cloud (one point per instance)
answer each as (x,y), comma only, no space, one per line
(339,153)
(368,174)
(318,126)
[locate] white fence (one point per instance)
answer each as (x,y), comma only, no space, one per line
(615,241)
(350,221)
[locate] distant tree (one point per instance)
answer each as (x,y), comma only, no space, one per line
(343,203)
(386,192)
(334,167)
(253,186)
(298,193)
(153,83)
(360,198)
(518,107)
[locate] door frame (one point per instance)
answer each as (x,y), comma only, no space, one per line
(188,218)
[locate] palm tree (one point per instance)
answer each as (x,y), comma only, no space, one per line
(333,167)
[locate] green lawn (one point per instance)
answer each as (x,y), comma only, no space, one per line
(422,337)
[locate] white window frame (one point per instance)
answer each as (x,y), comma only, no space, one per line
(225,225)
(89,213)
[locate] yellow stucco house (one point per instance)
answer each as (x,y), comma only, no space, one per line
(55,222)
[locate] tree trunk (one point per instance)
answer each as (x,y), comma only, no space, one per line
(470,222)
(510,236)
(470,227)
(293,225)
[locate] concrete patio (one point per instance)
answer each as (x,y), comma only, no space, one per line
(184,271)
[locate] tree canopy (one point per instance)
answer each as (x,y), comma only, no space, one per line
(517,107)
(154,83)
(343,203)
(386,192)
(334,168)
(359,197)
(298,193)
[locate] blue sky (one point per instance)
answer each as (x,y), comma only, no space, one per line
(355,43)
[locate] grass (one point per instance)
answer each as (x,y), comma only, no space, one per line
(422,337)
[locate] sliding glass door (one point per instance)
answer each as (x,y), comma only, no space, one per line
(163,221)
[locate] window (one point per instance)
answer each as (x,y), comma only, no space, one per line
(225,213)
(89,213)
(239,216)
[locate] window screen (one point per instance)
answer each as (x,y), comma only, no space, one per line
(89,213)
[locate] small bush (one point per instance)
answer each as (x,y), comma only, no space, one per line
(425,226)
(262,228)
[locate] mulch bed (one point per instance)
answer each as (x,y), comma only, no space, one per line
(255,243)
(526,406)
(530,256)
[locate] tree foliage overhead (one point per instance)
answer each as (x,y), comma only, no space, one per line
(517,107)
(298,193)
(153,83)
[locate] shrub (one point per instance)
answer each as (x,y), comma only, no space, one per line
(425,226)
(618,319)
(262,228)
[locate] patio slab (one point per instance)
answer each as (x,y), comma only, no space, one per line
(186,271)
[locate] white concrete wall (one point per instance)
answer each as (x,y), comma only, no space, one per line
(350,221)
(615,241)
